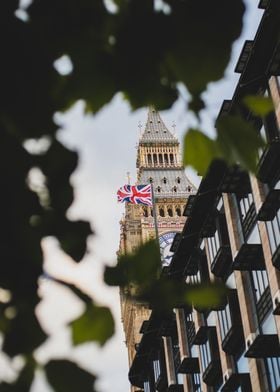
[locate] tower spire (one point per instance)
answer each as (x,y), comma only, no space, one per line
(155,129)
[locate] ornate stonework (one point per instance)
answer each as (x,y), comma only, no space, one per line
(159,163)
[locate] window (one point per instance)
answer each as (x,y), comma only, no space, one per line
(164,180)
(273,367)
(175,189)
(160,159)
(149,159)
(151,180)
(171,159)
(273,228)
(205,354)
(260,283)
(161,212)
(156,367)
(196,382)
(158,189)
(155,158)
(214,244)
(166,158)
(178,180)
(225,321)
(178,211)
(170,212)
(247,213)
(146,386)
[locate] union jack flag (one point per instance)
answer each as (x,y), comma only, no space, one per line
(136,194)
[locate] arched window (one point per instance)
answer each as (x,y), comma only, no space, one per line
(189,188)
(160,159)
(149,159)
(178,211)
(171,159)
(170,212)
(152,212)
(175,189)
(178,180)
(158,189)
(161,212)
(164,180)
(155,158)
(145,212)
(166,158)
(151,180)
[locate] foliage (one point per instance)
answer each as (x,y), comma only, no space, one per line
(138,50)
(160,292)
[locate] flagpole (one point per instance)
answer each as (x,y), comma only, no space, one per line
(155,213)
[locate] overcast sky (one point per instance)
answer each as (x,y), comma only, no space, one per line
(106,144)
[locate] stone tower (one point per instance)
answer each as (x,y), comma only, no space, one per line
(158,162)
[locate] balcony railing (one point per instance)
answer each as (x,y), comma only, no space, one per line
(249,258)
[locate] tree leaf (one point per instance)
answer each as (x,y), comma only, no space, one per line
(23,333)
(199,150)
(67,376)
(141,267)
(206,295)
(259,105)
(95,324)
(234,137)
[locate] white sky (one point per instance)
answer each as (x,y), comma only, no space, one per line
(106,144)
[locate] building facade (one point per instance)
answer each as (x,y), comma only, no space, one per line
(158,163)
(231,235)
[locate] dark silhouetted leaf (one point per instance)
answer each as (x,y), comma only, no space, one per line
(23,333)
(67,376)
(234,136)
(95,324)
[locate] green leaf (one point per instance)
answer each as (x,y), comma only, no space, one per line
(95,324)
(67,376)
(141,267)
(199,150)
(259,105)
(206,296)
(234,137)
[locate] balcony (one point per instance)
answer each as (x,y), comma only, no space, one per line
(269,162)
(201,334)
(236,381)
(263,346)
(276,258)
(212,373)
(270,206)
(189,206)
(189,365)
(244,56)
(249,258)
(235,180)
(161,383)
(175,388)
(222,261)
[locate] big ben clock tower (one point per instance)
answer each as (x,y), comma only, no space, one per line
(159,163)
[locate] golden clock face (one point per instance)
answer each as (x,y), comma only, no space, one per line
(165,242)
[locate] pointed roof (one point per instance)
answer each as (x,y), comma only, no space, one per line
(155,130)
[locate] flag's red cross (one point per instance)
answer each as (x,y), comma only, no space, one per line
(136,194)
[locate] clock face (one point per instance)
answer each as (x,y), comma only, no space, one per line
(165,242)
